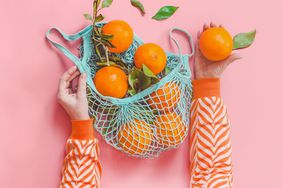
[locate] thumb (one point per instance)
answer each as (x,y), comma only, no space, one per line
(81,89)
(232,58)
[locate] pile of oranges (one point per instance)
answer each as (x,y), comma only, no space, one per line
(136,137)
(112,81)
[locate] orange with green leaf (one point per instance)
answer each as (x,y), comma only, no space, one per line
(122,35)
(217,44)
(151,55)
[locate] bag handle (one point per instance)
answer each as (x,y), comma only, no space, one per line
(177,44)
(67,37)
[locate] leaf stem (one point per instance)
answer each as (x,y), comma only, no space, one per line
(107,54)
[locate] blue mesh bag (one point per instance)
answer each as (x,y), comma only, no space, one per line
(149,122)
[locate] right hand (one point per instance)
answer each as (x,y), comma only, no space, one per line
(73,101)
(203,68)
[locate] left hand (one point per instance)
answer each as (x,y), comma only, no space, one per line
(74,101)
(204,68)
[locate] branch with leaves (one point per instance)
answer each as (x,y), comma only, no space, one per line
(139,79)
(101,41)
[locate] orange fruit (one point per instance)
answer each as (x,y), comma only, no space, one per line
(111,81)
(216,44)
(170,129)
(122,35)
(152,55)
(135,137)
(165,98)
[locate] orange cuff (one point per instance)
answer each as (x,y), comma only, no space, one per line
(82,129)
(209,87)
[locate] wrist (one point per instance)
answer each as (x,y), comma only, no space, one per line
(82,129)
(80,117)
(206,75)
(206,87)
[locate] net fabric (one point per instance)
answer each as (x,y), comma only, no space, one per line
(150,122)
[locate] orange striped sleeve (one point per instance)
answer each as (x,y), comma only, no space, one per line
(210,143)
(81,165)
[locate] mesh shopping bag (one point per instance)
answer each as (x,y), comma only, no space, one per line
(149,122)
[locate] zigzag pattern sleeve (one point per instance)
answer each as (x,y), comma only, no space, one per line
(81,167)
(210,143)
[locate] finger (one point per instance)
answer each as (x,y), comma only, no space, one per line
(198,35)
(198,52)
(81,88)
(213,24)
(205,27)
(75,87)
(234,57)
(73,76)
(197,49)
(69,91)
(195,59)
(68,73)
(64,83)
(70,83)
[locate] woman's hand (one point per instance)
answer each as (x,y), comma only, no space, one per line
(204,68)
(73,101)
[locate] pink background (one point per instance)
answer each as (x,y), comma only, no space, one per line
(34,127)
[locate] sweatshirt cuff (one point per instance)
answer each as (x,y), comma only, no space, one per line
(82,129)
(209,87)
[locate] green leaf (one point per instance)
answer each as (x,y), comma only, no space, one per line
(88,17)
(141,79)
(243,40)
(132,81)
(167,70)
(148,72)
(131,91)
(107,37)
(106,3)
(144,81)
(165,12)
(138,81)
(100,18)
(155,80)
(133,78)
(138,5)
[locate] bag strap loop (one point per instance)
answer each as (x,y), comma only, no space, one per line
(67,37)
(177,44)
